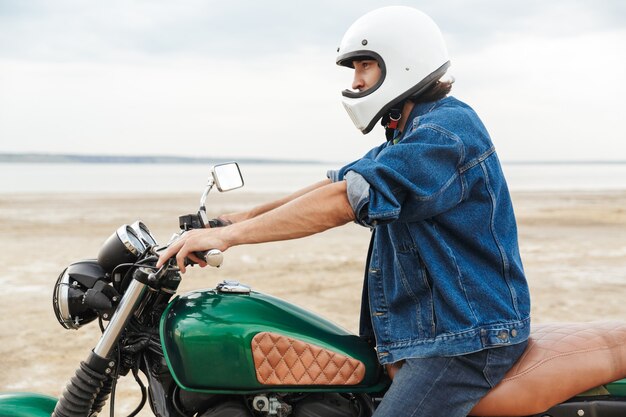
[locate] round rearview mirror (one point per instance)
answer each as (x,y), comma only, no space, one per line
(227,176)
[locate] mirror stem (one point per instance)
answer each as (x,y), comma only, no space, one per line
(202,211)
(203,217)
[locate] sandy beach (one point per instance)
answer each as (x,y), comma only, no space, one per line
(573,246)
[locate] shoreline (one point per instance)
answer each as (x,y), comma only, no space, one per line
(135,179)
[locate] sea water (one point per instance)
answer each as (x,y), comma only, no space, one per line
(269,177)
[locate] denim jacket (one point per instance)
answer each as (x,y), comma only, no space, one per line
(444,274)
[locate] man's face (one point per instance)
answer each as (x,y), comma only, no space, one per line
(366,74)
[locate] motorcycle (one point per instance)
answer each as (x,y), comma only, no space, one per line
(233,351)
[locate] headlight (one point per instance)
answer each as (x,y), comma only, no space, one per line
(123,246)
(81,293)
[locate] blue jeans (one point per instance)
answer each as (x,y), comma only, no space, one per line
(446,386)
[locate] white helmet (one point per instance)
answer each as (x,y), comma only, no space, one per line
(410,51)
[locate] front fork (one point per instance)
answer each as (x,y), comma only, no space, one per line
(134,293)
(94,374)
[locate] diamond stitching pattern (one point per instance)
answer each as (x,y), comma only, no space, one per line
(281,360)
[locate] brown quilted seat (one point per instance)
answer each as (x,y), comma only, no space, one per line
(561,361)
(281,360)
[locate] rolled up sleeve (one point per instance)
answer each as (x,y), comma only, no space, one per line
(333,175)
(410,181)
(358,194)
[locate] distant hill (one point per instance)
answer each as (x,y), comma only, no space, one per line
(119,159)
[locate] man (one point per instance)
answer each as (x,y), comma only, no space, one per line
(445,297)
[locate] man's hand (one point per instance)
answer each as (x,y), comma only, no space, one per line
(197,240)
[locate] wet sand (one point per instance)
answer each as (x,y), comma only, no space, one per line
(573,247)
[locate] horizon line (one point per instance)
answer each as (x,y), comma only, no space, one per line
(45,157)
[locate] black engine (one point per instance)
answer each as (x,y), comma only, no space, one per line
(292,405)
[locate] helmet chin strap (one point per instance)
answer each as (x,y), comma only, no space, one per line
(391,120)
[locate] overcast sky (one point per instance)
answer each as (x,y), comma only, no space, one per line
(258,78)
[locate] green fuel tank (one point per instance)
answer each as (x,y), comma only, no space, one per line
(233,340)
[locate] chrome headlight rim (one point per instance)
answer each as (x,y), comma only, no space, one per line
(60,301)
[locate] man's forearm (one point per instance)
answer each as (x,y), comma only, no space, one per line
(264,208)
(321,208)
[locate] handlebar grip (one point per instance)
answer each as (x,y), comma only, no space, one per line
(213,257)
